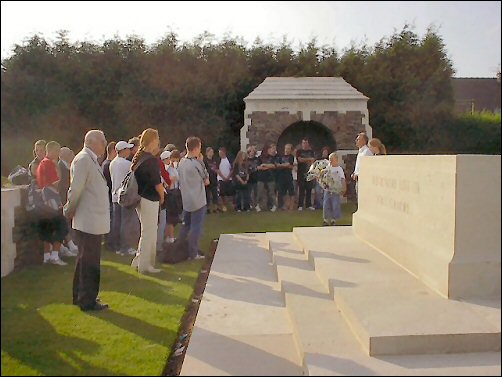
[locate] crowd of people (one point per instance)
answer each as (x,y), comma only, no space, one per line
(175,187)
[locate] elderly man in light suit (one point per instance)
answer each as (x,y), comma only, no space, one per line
(88,206)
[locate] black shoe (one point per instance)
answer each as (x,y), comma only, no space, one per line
(98,306)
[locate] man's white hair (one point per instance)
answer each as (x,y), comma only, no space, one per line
(92,136)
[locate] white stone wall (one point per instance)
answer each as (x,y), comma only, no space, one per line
(11,198)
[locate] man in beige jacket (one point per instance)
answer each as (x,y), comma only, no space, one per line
(88,207)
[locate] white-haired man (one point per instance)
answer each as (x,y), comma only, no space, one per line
(88,207)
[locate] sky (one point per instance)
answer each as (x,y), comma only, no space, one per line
(470,30)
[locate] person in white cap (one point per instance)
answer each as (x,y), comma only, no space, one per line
(126,228)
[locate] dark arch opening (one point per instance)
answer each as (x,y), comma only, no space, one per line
(318,134)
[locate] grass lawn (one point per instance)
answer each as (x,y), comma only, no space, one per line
(43,334)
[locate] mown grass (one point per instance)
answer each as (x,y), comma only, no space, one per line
(44,334)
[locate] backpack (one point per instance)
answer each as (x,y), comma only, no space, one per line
(128,195)
(19,176)
(173,253)
(44,203)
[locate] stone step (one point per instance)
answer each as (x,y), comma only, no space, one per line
(242,326)
(389,310)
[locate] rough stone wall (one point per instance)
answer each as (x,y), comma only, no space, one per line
(345,126)
(29,249)
(269,126)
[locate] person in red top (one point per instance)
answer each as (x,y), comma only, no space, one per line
(52,230)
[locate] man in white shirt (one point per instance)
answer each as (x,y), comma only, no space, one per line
(225,179)
(362,144)
(125,221)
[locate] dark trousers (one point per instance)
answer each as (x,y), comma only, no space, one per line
(305,188)
(212,193)
(87,270)
(242,197)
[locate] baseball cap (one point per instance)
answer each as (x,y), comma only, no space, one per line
(165,154)
(123,145)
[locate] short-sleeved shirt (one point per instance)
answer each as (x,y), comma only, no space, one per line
(252,165)
(285,174)
(303,167)
(47,173)
(240,171)
(266,175)
(119,167)
(164,173)
(225,168)
(193,192)
(148,176)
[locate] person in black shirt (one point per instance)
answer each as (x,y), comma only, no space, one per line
(240,177)
(252,162)
(147,172)
(212,165)
(285,187)
(266,178)
(306,158)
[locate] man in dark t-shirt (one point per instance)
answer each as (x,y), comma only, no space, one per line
(212,164)
(305,157)
(284,173)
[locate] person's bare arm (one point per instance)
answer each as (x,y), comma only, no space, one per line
(160,190)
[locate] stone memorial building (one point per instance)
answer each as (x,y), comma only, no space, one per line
(327,110)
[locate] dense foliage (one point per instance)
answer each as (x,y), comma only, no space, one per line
(57,90)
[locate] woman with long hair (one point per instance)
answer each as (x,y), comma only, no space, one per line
(377,147)
(147,173)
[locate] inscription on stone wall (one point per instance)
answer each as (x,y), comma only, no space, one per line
(394,185)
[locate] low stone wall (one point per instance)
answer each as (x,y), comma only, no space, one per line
(20,244)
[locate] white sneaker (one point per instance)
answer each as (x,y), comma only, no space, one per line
(169,240)
(57,261)
(73,248)
(64,251)
(273,209)
(312,208)
(300,208)
(197,257)
(132,251)
(258,209)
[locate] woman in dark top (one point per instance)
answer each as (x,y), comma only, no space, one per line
(240,177)
(147,172)
(212,165)
(266,178)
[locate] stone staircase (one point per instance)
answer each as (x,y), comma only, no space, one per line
(319,301)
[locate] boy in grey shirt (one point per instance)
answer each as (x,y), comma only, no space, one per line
(193,177)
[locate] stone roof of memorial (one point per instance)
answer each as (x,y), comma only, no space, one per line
(305,88)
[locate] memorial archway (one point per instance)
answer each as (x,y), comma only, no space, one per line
(318,134)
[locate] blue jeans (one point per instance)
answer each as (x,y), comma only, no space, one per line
(192,228)
(331,206)
(319,193)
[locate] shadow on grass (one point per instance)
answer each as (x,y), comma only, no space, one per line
(35,343)
(147,331)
